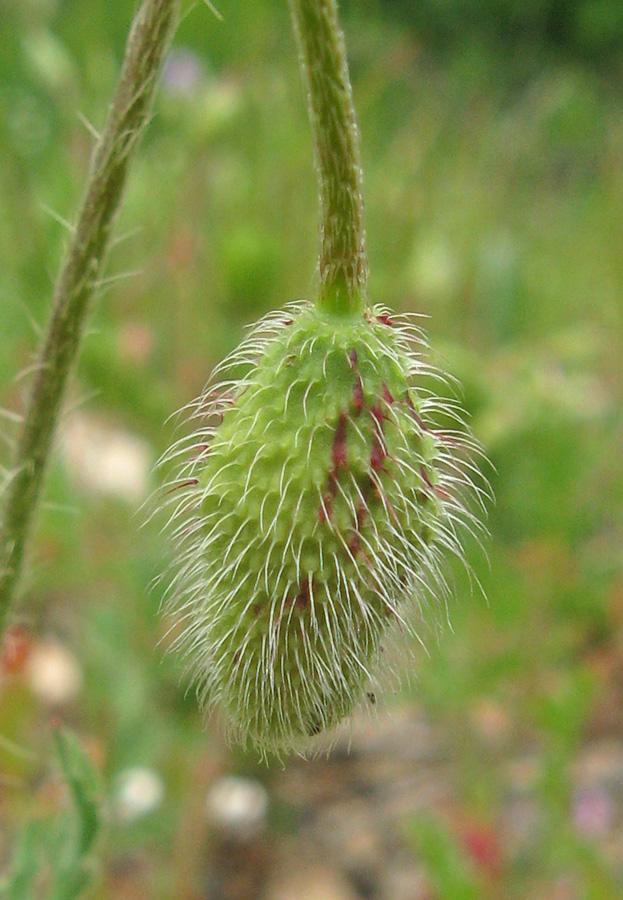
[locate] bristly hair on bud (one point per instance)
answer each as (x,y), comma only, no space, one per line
(310,510)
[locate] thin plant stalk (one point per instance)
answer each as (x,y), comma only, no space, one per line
(342,260)
(150,35)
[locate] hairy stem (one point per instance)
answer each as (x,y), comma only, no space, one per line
(342,261)
(150,35)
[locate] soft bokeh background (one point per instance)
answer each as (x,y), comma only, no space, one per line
(493,150)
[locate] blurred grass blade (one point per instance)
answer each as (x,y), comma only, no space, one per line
(56,856)
(447,866)
(82,780)
(19,883)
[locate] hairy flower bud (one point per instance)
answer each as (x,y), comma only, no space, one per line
(310,518)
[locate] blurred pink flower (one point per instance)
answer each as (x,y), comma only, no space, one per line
(593,811)
(183,73)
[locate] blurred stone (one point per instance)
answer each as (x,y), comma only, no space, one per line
(523,773)
(238,870)
(403,881)
(405,733)
(613,848)
(353,834)
(521,825)
(602,761)
(362,846)
(563,888)
(53,673)
(491,722)
(314,882)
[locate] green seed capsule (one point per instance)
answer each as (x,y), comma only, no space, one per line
(310,521)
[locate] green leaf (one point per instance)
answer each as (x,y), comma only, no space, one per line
(82,779)
(448,867)
(18,885)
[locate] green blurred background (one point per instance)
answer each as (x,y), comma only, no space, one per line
(493,156)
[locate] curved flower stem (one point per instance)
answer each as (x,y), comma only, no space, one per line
(342,262)
(148,41)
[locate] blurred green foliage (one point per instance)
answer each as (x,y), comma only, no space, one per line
(584,28)
(54,859)
(494,186)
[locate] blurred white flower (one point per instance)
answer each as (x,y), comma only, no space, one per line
(238,806)
(53,673)
(106,460)
(139,791)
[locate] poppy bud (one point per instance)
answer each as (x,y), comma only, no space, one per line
(310,519)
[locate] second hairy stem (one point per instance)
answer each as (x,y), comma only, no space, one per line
(129,112)
(342,261)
